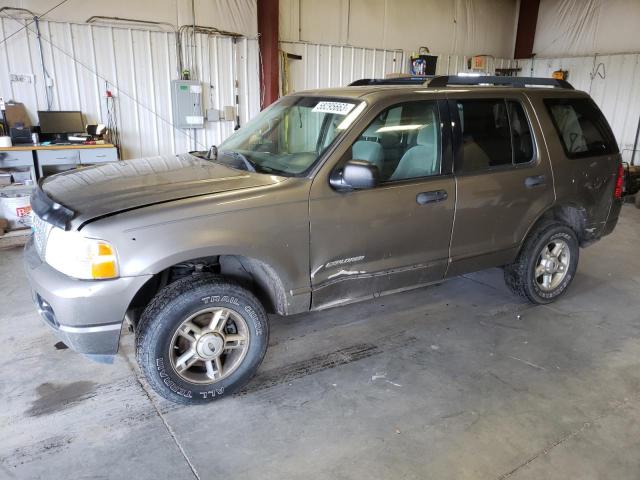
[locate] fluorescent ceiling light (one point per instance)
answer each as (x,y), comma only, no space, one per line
(398,128)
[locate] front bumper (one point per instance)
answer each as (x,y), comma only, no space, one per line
(86,315)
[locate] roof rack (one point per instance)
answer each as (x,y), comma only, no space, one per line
(414,80)
(521,82)
(446,80)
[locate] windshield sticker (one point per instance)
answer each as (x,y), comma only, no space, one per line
(339,108)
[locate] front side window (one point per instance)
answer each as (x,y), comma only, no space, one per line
(404,141)
(290,136)
(582,128)
(495,133)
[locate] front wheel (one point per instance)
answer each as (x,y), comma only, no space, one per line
(546,264)
(201,338)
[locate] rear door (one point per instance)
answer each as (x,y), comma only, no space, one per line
(397,234)
(503,175)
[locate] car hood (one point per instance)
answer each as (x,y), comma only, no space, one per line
(120,186)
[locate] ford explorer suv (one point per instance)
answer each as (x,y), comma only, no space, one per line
(325,198)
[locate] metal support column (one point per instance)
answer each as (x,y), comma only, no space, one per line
(269,66)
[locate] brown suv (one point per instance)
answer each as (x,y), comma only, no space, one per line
(327,197)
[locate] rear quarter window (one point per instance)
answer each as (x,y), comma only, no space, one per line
(581,126)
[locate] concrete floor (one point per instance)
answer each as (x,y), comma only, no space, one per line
(460,381)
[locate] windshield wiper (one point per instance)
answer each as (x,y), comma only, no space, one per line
(239,161)
(243,162)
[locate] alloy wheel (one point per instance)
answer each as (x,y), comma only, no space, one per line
(552,265)
(209,345)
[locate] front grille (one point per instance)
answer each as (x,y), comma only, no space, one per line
(41,230)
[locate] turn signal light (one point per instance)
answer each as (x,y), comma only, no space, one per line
(103,265)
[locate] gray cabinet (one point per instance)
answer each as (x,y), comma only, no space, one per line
(17,160)
(98,155)
(58,157)
(54,161)
(10,159)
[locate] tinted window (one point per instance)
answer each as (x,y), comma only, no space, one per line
(521,138)
(582,128)
(486,138)
(403,141)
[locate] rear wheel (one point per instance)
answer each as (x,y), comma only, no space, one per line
(201,338)
(546,265)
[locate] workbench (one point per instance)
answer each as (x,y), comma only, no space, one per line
(43,160)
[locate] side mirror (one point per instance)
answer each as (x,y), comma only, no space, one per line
(355,175)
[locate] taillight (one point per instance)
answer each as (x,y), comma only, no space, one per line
(617,192)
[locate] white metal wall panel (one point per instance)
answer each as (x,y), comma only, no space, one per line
(137,66)
(324,66)
(614,83)
(467,26)
(454,64)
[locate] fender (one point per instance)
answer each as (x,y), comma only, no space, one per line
(567,212)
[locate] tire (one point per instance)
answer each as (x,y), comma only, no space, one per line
(536,257)
(234,348)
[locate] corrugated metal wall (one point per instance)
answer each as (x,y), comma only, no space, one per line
(137,65)
(614,83)
(324,66)
(612,80)
(454,64)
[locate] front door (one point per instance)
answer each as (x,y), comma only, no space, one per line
(504,180)
(395,235)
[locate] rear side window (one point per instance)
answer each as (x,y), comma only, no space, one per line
(494,133)
(583,130)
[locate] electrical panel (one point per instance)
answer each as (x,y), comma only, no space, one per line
(186,98)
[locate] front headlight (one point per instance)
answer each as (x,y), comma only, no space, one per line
(80,257)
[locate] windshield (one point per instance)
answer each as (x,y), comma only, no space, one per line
(288,137)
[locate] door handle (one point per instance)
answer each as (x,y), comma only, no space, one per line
(535,181)
(431,197)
